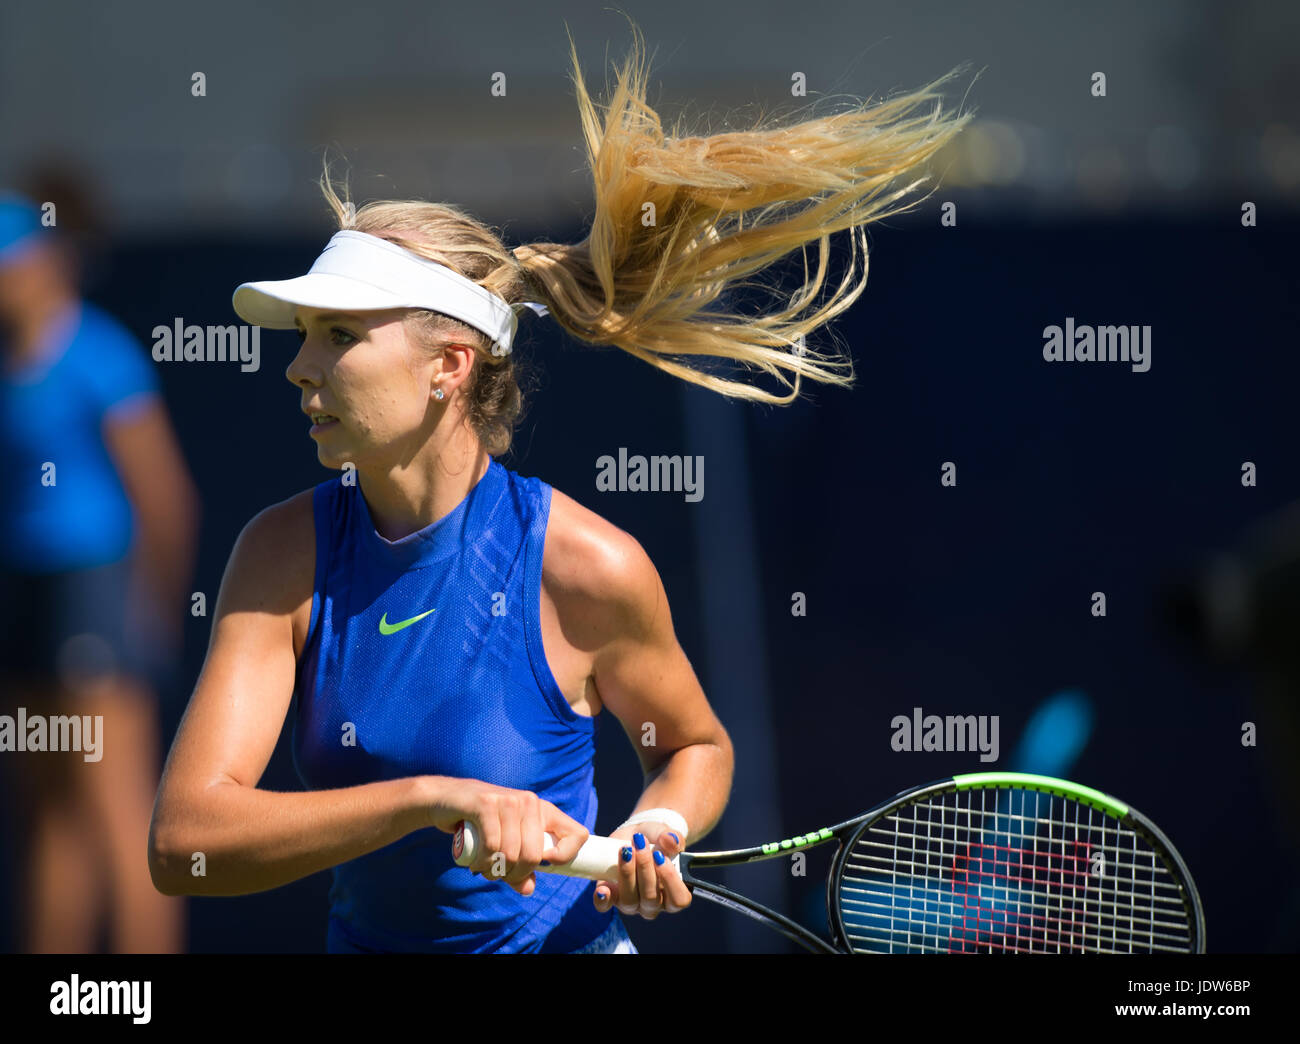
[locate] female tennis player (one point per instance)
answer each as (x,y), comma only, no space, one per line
(450,629)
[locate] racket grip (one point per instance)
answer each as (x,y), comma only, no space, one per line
(597,859)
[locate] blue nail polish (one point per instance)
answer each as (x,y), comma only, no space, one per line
(675,838)
(659,858)
(627,855)
(602,896)
(638,840)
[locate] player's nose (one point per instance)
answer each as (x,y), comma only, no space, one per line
(300,372)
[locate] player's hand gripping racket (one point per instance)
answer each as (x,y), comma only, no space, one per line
(978,863)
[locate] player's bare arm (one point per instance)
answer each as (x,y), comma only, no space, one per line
(214,832)
(611,601)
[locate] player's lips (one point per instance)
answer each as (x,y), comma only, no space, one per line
(320,420)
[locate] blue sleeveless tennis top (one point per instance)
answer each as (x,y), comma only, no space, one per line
(424,656)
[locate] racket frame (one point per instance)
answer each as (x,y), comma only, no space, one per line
(1127,814)
(848,832)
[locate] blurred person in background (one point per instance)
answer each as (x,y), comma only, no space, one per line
(98,529)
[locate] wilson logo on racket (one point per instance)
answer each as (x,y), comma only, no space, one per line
(815,838)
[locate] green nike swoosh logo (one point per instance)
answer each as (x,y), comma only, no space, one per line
(386,628)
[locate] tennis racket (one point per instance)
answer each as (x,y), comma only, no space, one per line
(978,863)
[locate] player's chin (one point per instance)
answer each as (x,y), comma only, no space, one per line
(334,456)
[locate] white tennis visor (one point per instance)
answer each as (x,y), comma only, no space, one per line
(358,272)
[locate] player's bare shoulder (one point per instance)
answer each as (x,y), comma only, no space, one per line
(599,576)
(272,567)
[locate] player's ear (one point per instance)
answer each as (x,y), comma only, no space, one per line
(457,361)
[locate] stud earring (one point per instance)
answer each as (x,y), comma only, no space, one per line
(439,394)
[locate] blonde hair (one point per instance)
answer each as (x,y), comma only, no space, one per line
(678,220)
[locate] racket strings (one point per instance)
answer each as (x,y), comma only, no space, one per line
(1008,870)
(1173,914)
(1039,919)
(1007,853)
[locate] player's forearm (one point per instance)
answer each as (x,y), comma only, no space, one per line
(234,840)
(694,781)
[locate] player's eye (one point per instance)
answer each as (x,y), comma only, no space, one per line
(338,336)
